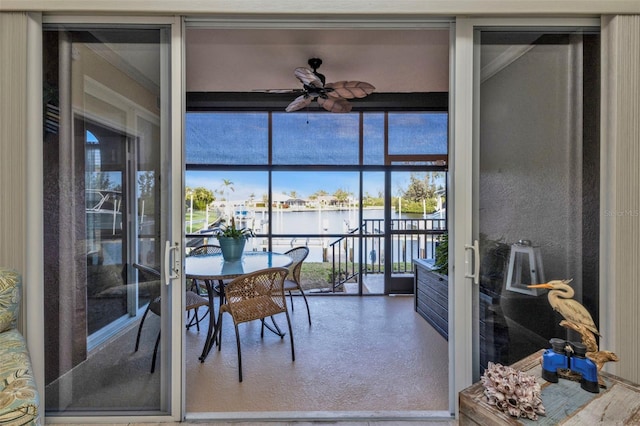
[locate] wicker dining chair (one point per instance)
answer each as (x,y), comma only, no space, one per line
(151,276)
(255,296)
(199,287)
(292,282)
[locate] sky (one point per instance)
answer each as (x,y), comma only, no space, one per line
(304,183)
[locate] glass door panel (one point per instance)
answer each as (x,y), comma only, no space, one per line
(105,131)
(538,184)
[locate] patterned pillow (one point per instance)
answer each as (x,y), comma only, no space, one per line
(10,284)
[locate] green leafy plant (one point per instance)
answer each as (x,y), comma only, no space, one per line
(442,255)
(230,231)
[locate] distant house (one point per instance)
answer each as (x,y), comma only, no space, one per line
(327,200)
(279,200)
(296,202)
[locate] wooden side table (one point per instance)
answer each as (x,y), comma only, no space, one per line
(565,402)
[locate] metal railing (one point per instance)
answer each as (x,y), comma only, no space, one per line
(363,250)
(410,238)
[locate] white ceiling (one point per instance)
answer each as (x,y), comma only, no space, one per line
(244,60)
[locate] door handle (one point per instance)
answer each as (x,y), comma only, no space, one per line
(475,248)
(171,272)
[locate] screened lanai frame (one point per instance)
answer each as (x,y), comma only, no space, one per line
(275,155)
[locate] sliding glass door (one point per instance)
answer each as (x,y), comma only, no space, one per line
(108,217)
(533,199)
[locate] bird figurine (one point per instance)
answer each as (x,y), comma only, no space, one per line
(560,299)
(576,318)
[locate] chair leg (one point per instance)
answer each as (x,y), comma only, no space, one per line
(275,324)
(155,353)
(195,315)
(275,329)
(194,320)
(212,314)
(239,354)
(293,352)
(219,330)
(291,299)
(306,303)
(146,311)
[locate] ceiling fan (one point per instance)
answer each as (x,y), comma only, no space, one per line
(330,96)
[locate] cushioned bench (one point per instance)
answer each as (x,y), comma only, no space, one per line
(19,400)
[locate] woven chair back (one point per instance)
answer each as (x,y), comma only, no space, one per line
(256,295)
(149,280)
(298,254)
(206,249)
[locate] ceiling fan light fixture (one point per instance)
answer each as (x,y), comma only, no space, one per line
(332,96)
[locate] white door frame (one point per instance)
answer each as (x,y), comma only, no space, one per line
(462,161)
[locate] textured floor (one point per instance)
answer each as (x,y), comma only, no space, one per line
(364,360)
(360,354)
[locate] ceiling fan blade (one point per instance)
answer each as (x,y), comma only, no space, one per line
(298,103)
(308,77)
(277,90)
(349,89)
(335,104)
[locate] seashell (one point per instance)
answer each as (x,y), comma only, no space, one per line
(513,392)
(513,411)
(508,388)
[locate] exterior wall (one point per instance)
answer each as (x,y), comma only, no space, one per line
(13,121)
(514,190)
(620,216)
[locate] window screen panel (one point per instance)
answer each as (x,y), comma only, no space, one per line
(227,138)
(420,133)
(316,138)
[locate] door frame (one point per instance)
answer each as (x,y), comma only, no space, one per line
(463,347)
(461,206)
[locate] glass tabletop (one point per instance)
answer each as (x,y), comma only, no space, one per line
(214,267)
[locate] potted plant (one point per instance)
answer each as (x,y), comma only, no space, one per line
(232,240)
(441,263)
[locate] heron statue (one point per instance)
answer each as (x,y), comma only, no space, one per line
(577,318)
(560,299)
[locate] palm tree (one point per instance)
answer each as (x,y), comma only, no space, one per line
(226,186)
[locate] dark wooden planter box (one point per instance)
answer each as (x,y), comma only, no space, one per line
(431,293)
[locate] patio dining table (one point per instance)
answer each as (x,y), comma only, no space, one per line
(213,267)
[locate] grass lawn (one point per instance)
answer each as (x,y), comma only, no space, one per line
(315,275)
